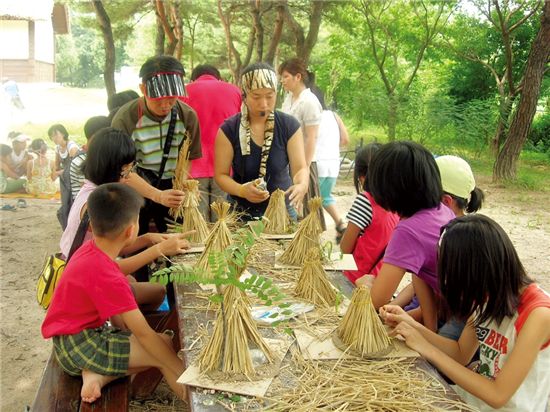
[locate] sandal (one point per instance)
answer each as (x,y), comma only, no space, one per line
(8,207)
(21,203)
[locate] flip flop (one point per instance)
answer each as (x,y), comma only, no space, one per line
(21,203)
(8,207)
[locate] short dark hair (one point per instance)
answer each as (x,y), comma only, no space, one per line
(5,150)
(160,64)
(295,66)
(108,152)
(117,100)
(363,157)
(39,146)
(479,269)
(202,69)
(404,178)
(112,207)
(58,127)
(93,124)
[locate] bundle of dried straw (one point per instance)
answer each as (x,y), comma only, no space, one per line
(228,348)
(361,329)
(220,236)
(307,236)
(192,217)
(313,284)
(276,214)
(180,175)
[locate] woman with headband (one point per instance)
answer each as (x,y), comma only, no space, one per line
(263,147)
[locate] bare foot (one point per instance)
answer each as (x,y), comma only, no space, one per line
(91,385)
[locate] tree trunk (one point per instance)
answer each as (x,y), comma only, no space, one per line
(314,25)
(168,31)
(505,167)
(110,56)
(392,116)
(277,32)
(234,62)
(258,28)
(177,24)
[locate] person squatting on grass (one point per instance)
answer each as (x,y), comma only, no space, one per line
(92,290)
(507,315)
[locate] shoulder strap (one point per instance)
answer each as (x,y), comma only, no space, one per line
(80,234)
(167,143)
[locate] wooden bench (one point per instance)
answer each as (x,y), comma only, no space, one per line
(60,392)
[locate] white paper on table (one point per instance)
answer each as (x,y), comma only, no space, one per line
(192,375)
(337,262)
(270,314)
(312,348)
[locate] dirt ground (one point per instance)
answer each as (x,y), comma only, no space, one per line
(27,235)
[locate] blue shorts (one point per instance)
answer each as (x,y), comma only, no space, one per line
(326,184)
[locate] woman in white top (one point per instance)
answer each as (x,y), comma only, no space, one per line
(301,103)
(65,149)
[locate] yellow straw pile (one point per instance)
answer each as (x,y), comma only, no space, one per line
(361,328)
(313,284)
(220,236)
(180,175)
(276,214)
(192,217)
(307,236)
(228,348)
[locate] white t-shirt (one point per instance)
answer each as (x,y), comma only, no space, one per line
(306,108)
(327,150)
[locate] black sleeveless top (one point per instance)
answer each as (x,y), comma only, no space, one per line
(246,168)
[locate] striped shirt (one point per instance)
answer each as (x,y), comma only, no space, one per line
(360,213)
(76,174)
(149,135)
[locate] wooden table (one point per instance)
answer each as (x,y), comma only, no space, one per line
(191,319)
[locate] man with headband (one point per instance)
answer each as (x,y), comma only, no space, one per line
(159,124)
(263,147)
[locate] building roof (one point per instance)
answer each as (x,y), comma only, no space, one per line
(26,9)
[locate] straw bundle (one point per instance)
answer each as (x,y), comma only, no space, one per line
(313,284)
(180,175)
(228,348)
(220,236)
(361,329)
(192,218)
(276,214)
(307,236)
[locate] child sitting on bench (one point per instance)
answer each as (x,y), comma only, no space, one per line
(92,290)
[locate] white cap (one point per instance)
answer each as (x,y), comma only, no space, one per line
(456,176)
(22,138)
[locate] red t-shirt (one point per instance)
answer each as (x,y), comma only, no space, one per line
(91,290)
(214,101)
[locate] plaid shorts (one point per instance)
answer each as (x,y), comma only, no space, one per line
(104,350)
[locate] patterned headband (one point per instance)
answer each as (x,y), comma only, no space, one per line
(258,79)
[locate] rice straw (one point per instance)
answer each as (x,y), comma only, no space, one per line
(180,175)
(307,236)
(192,217)
(361,329)
(276,214)
(220,236)
(228,348)
(313,284)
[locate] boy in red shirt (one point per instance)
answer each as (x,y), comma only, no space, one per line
(92,290)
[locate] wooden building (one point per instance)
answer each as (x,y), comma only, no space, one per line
(27,35)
